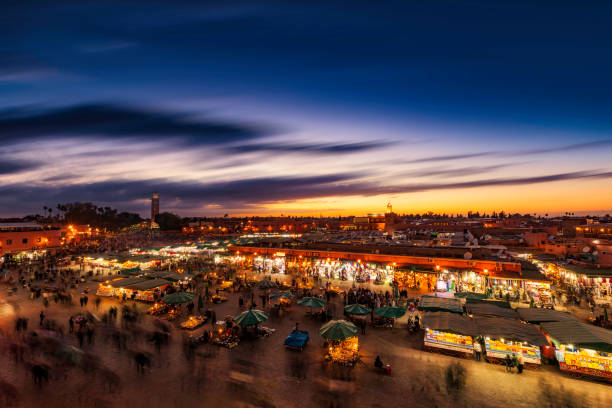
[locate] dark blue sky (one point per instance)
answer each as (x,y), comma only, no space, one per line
(335,106)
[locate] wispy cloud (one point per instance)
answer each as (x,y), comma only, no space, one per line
(320,148)
(128,194)
(10,166)
(456,172)
(450,157)
(511,153)
(114,121)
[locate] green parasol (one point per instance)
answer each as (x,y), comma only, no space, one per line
(390,311)
(338,330)
(311,302)
(356,309)
(178,298)
(283,295)
(251,317)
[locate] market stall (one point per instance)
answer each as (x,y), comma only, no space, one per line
(409,277)
(490,309)
(225,333)
(581,348)
(117,287)
(148,290)
(504,337)
(539,315)
(449,331)
(440,304)
(315,303)
(539,291)
(269,265)
(250,319)
(357,313)
(341,341)
(386,315)
(193,322)
(158,309)
(451,280)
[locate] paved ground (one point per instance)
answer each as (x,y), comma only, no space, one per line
(263,373)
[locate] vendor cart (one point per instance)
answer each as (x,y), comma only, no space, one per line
(193,322)
(297,339)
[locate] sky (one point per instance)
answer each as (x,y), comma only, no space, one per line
(306,108)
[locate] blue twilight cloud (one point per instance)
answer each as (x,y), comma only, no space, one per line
(241,194)
(112,121)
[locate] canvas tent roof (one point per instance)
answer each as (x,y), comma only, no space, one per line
(450,322)
(509,329)
(538,315)
(579,334)
(148,284)
(470,295)
(437,304)
(122,283)
(491,310)
(498,303)
(173,276)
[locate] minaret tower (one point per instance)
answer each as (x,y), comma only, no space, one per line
(389,219)
(154,207)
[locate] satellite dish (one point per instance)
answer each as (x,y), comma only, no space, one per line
(467,255)
(586,249)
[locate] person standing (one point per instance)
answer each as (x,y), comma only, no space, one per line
(42,318)
(213,318)
(477,350)
(80,336)
(520,363)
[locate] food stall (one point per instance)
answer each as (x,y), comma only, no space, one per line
(490,309)
(249,321)
(385,316)
(193,322)
(342,345)
(449,331)
(147,290)
(283,299)
(440,304)
(344,352)
(538,315)
(117,287)
(158,309)
(225,334)
(581,348)
(503,337)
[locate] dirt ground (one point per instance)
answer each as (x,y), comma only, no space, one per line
(262,373)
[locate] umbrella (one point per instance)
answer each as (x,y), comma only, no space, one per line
(283,295)
(356,309)
(266,284)
(338,330)
(178,298)
(311,302)
(251,317)
(390,311)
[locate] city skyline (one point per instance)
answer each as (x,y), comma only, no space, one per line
(306,109)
